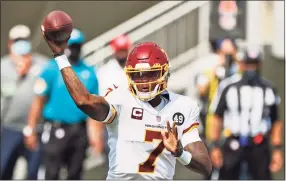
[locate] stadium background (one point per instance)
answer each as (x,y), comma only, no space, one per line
(181,28)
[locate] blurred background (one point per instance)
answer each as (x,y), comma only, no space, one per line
(185,29)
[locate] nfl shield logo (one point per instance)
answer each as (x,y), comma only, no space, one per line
(158,118)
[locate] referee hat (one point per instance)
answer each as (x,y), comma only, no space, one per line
(251,55)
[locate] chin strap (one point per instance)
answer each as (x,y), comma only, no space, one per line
(147,96)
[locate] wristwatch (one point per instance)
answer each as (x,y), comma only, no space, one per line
(28,131)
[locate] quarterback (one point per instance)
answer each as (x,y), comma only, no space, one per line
(149,127)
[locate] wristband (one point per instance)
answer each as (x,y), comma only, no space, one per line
(185,158)
(179,151)
(62,62)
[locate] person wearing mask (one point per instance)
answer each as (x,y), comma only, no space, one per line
(110,77)
(247,111)
(112,74)
(65,135)
(207,82)
(19,71)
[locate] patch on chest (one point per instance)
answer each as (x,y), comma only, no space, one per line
(137,113)
(158,118)
(179,118)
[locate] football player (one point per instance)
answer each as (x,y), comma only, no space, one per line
(149,127)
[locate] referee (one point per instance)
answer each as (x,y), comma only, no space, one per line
(64,136)
(247,111)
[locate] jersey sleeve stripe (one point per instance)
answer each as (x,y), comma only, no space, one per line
(114,113)
(193,126)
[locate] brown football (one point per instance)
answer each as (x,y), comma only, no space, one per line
(57,26)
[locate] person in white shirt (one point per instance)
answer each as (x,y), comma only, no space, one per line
(112,75)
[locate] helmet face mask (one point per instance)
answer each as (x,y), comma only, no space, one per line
(147,84)
(147,71)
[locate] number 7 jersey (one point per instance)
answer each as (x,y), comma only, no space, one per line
(136,147)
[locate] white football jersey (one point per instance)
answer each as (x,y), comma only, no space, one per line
(111,75)
(135,141)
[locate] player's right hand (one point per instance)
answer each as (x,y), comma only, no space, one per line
(31,142)
(216,157)
(170,139)
(56,47)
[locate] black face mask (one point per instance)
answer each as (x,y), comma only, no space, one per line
(122,61)
(74,54)
(252,77)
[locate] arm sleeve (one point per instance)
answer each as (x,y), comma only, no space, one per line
(113,98)
(190,130)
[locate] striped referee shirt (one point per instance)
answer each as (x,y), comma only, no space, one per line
(246,109)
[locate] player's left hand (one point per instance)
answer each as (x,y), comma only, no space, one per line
(170,139)
(277,161)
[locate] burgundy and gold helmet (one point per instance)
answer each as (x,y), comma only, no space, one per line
(147,70)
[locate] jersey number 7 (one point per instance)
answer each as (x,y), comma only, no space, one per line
(149,165)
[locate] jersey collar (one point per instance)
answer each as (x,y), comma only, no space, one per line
(145,105)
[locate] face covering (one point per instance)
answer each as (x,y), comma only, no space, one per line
(251,76)
(73,52)
(121,61)
(21,57)
(21,47)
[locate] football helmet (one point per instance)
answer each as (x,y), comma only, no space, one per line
(147,70)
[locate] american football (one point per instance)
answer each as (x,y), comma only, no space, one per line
(57,26)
